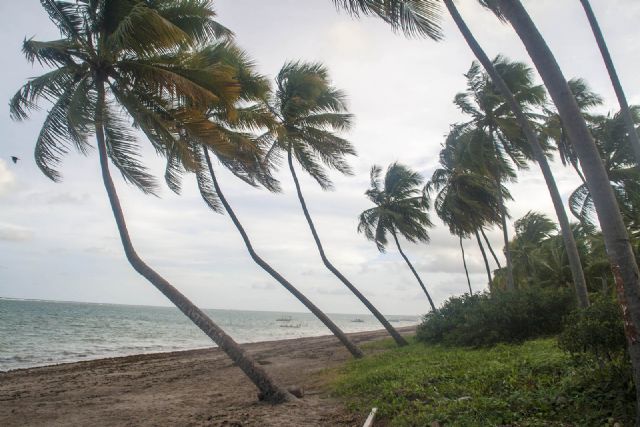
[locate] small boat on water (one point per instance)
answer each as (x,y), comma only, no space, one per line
(286,325)
(358,321)
(284,319)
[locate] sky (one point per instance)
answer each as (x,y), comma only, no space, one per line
(59,241)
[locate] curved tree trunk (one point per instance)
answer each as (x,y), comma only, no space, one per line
(466,270)
(269,389)
(571,247)
(615,80)
(415,273)
(396,336)
(619,251)
(486,239)
(484,257)
(353,349)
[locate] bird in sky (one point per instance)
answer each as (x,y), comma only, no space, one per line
(15,159)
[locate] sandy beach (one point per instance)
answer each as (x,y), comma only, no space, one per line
(197,387)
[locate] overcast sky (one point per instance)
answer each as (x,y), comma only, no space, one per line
(59,241)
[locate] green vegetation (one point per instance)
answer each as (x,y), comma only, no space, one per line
(529,384)
(502,317)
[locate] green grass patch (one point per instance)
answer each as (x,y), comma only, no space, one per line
(530,384)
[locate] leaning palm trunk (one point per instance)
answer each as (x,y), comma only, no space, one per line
(571,247)
(413,270)
(619,250)
(495,257)
(464,262)
(484,257)
(353,349)
(396,336)
(505,235)
(613,75)
(269,389)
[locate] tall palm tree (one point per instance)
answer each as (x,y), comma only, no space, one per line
(495,125)
(465,200)
(401,208)
(619,249)
(625,111)
(120,60)
(536,150)
(311,112)
(231,139)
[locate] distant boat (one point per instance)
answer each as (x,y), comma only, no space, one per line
(358,321)
(284,319)
(297,325)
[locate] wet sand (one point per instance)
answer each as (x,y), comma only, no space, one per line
(186,388)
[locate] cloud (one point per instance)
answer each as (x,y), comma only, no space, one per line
(7,179)
(14,233)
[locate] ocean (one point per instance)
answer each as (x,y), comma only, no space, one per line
(38,333)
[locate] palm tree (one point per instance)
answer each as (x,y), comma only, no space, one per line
(401,208)
(616,237)
(627,116)
(536,150)
(531,231)
(135,55)
(231,139)
(465,200)
(496,126)
(610,135)
(311,112)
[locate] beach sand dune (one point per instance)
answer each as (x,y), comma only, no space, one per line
(187,388)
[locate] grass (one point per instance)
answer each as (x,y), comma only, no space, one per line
(530,384)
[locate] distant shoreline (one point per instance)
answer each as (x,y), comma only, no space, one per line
(181,387)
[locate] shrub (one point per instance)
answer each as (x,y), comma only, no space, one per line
(487,319)
(596,332)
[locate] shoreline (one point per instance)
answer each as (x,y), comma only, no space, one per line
(185,387)
(206,348)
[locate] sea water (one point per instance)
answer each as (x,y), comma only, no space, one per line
(37,333)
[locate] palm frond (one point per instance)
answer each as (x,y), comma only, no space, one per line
(412,17)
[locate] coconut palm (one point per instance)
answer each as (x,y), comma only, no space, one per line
(497,127)
(531,231)
(625,111)
(401,209)
(615,234)
(310,113)
(610,134)
(233,143)
(536,150)
(120,62)
(465,200)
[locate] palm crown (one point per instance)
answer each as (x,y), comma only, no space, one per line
(310,113)
(401,206)
(142,55)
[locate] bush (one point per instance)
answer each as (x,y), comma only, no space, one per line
(487,319)
(596,332)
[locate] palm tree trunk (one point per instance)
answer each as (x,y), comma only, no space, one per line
(269,389)
(415,273)
(505,235)
(619,251)
(486,239)
(464,262)
(613,75)
(396,336)
(571,247)
(353,349)
(484,257)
